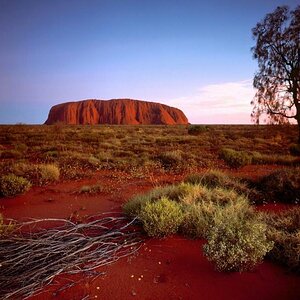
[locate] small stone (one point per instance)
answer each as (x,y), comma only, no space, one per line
(132,276)
(98,287)
(133,293)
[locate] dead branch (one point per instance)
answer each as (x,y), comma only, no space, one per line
(34,254)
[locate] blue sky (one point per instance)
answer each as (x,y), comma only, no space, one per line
(194,55)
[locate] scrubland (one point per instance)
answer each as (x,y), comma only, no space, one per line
(221,196)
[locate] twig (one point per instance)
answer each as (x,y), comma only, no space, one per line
(32,256)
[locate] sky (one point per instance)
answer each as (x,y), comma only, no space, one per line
(193,55)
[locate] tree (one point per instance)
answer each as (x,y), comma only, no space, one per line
(277,51)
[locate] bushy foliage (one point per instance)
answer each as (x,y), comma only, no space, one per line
(48,173)
(197,219)
(171,159)
(197,129)
(237,240)
(161,218)
(214,178)
(282,185)
(11,185)
(173,192)
(235,159)
(259,158)
(38,174)
(284,231)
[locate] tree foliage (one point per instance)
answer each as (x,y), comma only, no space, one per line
(277,81)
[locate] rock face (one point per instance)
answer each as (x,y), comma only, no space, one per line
(116,111)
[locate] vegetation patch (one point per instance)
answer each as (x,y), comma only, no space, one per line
(235,159)
(282,185)
(197,129)
(161,218)
(284,231)
(237,241)
(215,178)
(236,235)
(48,173)
(12,185)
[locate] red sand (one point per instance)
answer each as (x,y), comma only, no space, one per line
(171,268)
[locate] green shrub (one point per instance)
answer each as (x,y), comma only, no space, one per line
(173,192)
(197,129)
(235,159)
(284,231)
(197,219)
(200,204)
(215,178)
(161,218)
(201,216)
(237,240)
(259,158)
(282,185)
(47,173)
(11,185)
(171,159)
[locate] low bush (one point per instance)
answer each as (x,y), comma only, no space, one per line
(173,192)
(235,233)
(282,185)
(47,173)
(284,231)
(11,185)
(197,129)
(237,240)
(171,159)
(259,159)
(161,218)
(235,159)
(197,219)
(215,178)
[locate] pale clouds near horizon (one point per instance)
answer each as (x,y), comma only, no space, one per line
(221,103)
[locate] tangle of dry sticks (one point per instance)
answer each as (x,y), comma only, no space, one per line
(40,249)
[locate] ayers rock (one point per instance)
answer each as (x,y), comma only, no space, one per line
(116,111)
